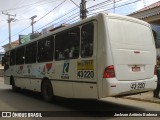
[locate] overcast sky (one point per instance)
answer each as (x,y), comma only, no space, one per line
(24,9)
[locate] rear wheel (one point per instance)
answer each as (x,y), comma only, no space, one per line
(47,90)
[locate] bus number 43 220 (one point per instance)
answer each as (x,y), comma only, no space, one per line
(86,74)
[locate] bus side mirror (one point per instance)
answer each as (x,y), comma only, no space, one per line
(3,61)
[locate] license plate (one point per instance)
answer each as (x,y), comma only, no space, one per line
(136,69)
(137,85)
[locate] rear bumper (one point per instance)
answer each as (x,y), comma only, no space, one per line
(113,87)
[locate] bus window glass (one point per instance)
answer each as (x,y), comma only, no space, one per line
(31,53)
(12,57)
(67,44)
(20,55)
(6,57)
(45,49)
(87,35)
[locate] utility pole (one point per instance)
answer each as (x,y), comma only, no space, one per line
(9,25)
(32,22)
(83,11)
(114,7)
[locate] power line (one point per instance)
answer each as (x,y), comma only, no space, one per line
(73,19)
(65,20)
(116,7)
(99,6)
(20,3)
(70,17)
(58,18)
(21,31)
(104,5)
(75,3)
(51,10)
(37,21)
(25,6)
(33,7)
(4,40)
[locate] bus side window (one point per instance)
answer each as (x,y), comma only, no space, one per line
(87,36)
(31,53)
(61,46)
(67,44)
(12,57)
(74,43)
(7,61)
(20,55)
(45,49)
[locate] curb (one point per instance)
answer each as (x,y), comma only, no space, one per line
(154,100)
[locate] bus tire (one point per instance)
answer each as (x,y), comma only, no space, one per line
(14,88)
(47,90)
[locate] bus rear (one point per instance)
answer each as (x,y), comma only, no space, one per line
(133,56)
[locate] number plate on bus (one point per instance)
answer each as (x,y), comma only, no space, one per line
(137,85)
(136,69)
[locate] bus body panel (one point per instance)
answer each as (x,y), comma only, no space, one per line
(114,87)
(133,49)
(129,48)
(104,54)
(72,78)
(63,89)
(85,90)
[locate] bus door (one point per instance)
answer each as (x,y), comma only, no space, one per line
(86,67)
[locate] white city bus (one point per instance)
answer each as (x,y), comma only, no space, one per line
(104,55)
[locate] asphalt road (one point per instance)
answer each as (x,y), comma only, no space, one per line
(29,101)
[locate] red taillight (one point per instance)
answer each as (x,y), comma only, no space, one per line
(136,51)
(109,72)
(155,70)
